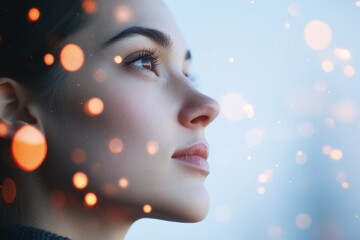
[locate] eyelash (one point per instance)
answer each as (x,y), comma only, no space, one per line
(154,58)
(149,54)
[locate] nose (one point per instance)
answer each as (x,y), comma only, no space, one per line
(198,110)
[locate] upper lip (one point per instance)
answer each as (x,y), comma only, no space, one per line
(199,149)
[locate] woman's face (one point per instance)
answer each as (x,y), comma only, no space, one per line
(151,109)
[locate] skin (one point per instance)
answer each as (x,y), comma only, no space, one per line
(140,105)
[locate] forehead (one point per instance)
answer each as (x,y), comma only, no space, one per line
(114,16)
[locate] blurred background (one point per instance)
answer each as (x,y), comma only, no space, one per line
(285,150)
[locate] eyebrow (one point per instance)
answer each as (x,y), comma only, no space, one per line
(159,37)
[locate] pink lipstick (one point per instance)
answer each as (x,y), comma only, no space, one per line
(195,157)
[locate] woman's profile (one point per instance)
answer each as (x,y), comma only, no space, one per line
(100,124)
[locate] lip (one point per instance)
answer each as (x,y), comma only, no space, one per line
(194,157)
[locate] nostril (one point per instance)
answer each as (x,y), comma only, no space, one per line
(203,120)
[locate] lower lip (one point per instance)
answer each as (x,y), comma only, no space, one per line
(195,162)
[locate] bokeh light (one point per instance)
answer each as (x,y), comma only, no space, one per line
(49,59)
(94,106)
(100,75)
(345,185)
(152,147)
(123,183)
(303,221)
(123,13)
(232,106)
(345,111)
(116,145)
(29,148)
(78,156)
(249,110)
(4,129)
(90,199)
(80,180)
(261,190)
(357,3)
(147,208)
(89,6)
(118,59)
(72,57)
(294,10)
(33,14)
(318,35)
(336,154)
(9,190)
(231,60)
(301,157)
(349,71)
(342,54)
(327,66)
(275,232)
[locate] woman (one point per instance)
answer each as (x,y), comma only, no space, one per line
(106,83)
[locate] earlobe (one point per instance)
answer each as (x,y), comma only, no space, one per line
(15,107)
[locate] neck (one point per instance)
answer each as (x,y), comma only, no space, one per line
(69,217)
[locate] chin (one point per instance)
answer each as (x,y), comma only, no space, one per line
(186,210)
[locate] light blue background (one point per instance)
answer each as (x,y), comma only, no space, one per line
(276,72)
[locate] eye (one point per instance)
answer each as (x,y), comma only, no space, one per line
(145,60)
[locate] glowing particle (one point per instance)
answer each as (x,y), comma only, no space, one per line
(94,106)
(29,148)
(147,208)
(118,59)
(9,190)
(152,147)
(318,35)
(345,111)
(4,129)
(303,221)
(357,3)
(287,25)
(100,75)
(223,214)
(345,185)
(249,158)
(78,156)
(123,13)
(261,190)
(116,145)
(123,183)
(89,6)
(327,66)
(80,180)
(336,154)
(72,57)
(231,60)
(294,10)
(33,14)
(330,123)
(254,136)
(349,71)
(249,110)
(49,59)
(263,178)
(90,199)
(275,232)
(301,157)
(232,105)
(326,149)
(342,53)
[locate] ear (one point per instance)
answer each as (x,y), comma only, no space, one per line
(16,107)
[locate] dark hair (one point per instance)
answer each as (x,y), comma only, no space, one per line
(23,43)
